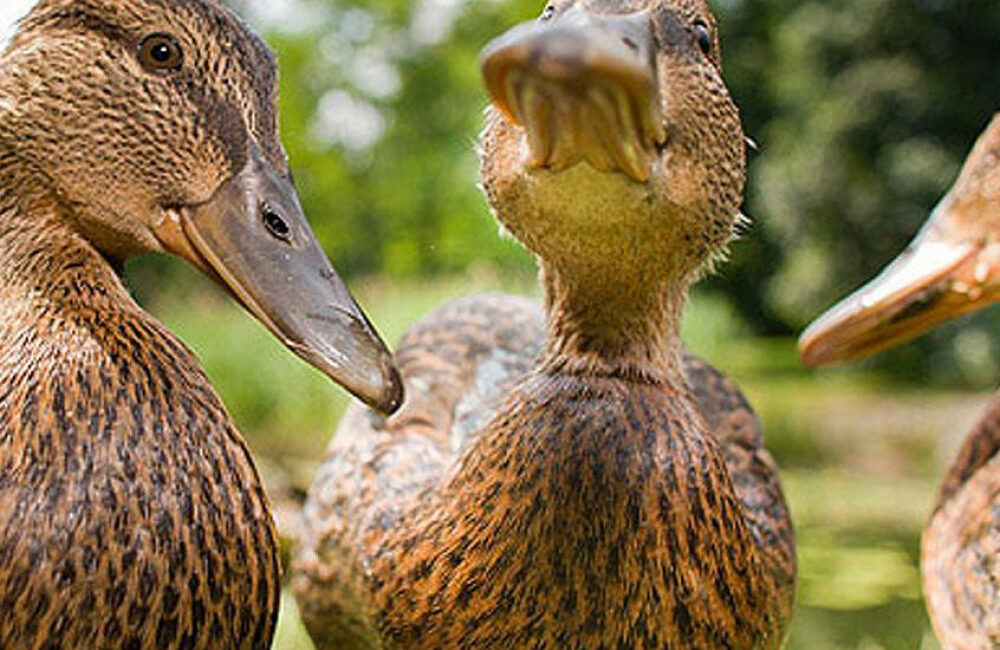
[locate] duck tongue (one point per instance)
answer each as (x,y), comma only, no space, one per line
(583,87)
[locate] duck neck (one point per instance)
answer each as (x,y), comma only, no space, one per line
(612,321)
(41,254)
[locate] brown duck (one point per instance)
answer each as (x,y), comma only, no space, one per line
(572,480)
(951,268)
(131,514)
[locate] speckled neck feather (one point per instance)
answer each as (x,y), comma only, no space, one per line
(133,514)
(621,323)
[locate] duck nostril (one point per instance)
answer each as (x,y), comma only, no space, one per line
(275,225)
(632,45)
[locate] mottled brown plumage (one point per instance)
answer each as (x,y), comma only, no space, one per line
(133,516)
(131,513)
(951,268)
(572,480)
(961,543)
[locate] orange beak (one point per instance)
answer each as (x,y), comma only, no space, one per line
(951,268)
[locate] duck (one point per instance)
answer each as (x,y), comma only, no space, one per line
(566,475)
(951,268)
(131,512)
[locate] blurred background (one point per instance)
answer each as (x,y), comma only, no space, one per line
(863,111)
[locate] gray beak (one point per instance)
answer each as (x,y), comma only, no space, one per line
(253,238)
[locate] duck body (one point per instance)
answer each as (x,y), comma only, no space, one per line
(510,506)
(131,513)
(950,268)
(961,543)
(117,463)
(567,477)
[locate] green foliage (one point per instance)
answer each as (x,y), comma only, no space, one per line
(863,109)
(381,103)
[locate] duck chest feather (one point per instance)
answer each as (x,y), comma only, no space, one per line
(592,513)
(133,516)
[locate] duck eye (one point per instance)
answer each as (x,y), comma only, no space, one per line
(704,36)
(548,13)
(275,225)
(160,53)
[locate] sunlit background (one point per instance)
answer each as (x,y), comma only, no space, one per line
(864,110)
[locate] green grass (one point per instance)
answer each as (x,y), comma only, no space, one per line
(861,457)
(291,633)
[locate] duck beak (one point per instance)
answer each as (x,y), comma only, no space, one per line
(253,238)
(951,268)
(584,87)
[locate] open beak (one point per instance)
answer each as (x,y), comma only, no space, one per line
(951,268)
(252,237)
(584,87)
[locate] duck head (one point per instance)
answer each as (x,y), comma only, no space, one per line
(154,126)
(951,268)
(613,143)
